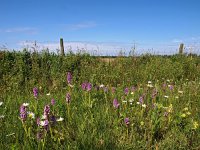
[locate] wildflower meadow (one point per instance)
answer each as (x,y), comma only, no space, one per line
(78,101)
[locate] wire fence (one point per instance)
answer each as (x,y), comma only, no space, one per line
(105,48)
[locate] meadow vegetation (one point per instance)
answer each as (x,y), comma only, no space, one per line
(78,101)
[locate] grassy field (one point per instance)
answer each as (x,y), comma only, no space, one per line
(86,102)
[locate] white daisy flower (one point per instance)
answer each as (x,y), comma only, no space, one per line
(131,100)
(101,86)
(166,96)
(144,105)
(149,82)
(31,115)
(60,119)
(48,94)
(181,92)
(149,85)
(25,104)
(1,103)
(2,116)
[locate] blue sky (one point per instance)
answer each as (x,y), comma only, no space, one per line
(107,24)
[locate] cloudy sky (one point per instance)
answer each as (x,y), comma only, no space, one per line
(103,27)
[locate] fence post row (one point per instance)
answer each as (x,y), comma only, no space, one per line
(62,47)
(181,47)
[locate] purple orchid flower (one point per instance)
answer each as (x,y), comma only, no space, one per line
(127,121)
(35,92)
(115,103)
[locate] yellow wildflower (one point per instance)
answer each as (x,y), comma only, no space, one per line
(195,125)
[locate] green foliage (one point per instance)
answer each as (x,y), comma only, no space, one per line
(167,116)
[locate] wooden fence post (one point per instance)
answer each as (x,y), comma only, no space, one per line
(181,47)
(62,47)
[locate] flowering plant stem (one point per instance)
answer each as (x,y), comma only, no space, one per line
(68,112)
(44,141)
(90,105)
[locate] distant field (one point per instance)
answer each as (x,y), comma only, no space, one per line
(107,59)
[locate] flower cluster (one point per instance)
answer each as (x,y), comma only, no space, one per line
(86,86)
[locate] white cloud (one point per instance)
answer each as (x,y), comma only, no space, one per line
(27,30)
(177,41)
(189,40)
(82,25)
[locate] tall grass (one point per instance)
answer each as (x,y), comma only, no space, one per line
(159,96)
